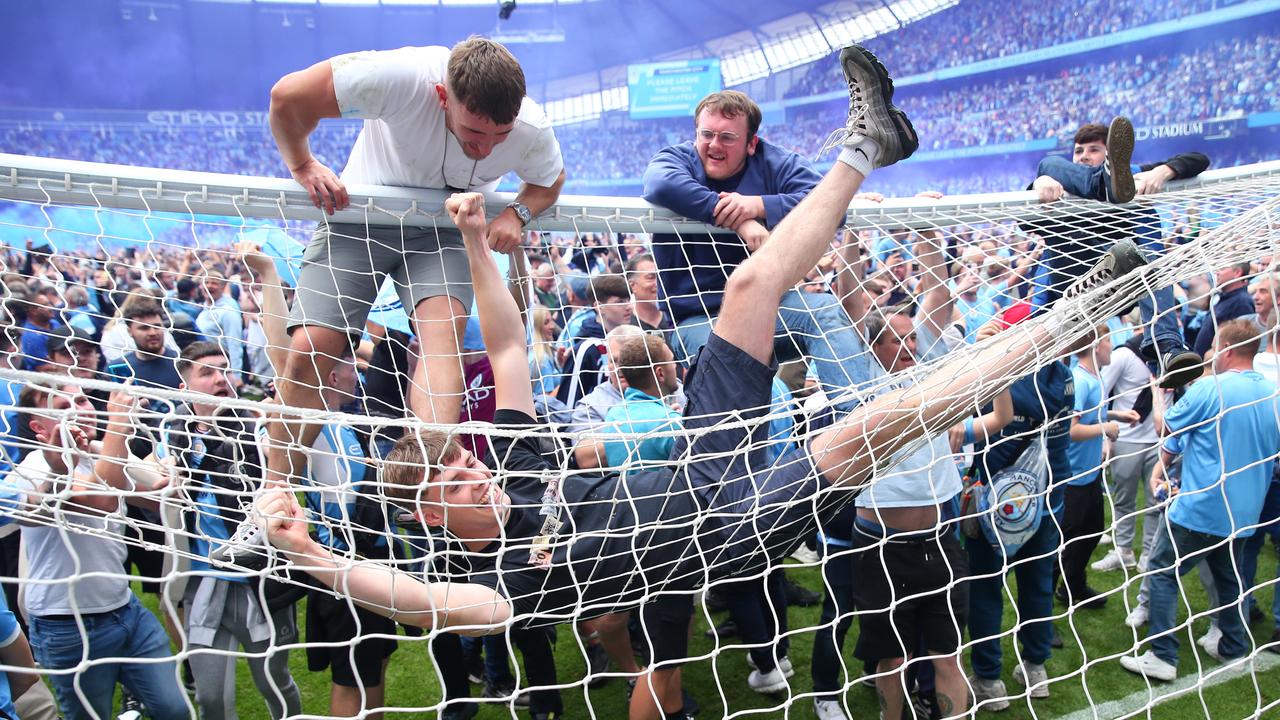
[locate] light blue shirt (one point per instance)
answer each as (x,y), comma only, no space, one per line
(223,323)
(1228,429)
(976,313)
(1086,455)
(637,414)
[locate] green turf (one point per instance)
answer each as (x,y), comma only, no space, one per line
(721,686)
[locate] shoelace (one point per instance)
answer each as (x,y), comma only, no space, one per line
(852,126)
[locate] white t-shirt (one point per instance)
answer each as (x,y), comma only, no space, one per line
(404,142)
(1268,363)
(61,559)
(1122,382)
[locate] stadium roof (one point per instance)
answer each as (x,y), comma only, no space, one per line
(225,54)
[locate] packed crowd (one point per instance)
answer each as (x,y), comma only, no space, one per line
(1226,77)
(982,30)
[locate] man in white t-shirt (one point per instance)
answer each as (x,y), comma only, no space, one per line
(434,118)
(78,602)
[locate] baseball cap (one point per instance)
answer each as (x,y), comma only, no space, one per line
(63,336)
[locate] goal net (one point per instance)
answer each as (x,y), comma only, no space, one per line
(1024,546)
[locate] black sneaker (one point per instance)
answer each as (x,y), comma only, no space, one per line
(461,711)
(801,596)
(691,706)
(504,691)
(1123,258)
(597,665)
(131,708)
(1119,156)
(1273,646)
(872,113)
(726,629)
(1180,367)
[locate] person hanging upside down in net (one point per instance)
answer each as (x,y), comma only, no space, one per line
(544,546)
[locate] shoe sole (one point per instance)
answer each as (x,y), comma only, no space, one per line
(887,116)
(1120,141)
(1147,674)
(1184,369)
(771,689)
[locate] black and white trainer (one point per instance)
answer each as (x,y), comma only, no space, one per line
(872,113)
(1120,139)
(246,549)
(1123,258)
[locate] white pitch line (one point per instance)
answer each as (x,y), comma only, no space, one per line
(1163,692)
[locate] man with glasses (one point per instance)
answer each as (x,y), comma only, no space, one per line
(733,179)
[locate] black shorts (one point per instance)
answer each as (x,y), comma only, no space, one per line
(665,622)
(149,564)
(759,509)
(334,623)
(909,595)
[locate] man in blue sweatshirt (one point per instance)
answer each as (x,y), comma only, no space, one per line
(735,180)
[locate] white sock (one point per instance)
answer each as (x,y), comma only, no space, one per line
(861,156)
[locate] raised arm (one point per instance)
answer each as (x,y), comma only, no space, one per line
(299,101)
(849,276)
(500,323)
(382,589)
(275,311)
(936,299)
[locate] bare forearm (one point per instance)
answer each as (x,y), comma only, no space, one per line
(538,198)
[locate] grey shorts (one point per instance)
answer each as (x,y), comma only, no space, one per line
(344,265)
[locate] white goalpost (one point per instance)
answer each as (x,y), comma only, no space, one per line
(135,224)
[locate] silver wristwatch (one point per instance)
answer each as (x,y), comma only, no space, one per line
(522,211)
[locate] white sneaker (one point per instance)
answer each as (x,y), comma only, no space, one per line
(1115,560)
(1209,641)
(784,665)
(990,694)
(1142,564)
(829,710)
(805,556)
(1137,617)
(1149,665)
(1106,540)
(767,684)
(1033,677)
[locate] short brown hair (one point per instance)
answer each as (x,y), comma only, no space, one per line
(604,287)
(636,358)
(195,352)
(1242,336)
(731,104)
(136,311)
(1093,132)
(487,79)
(412,459)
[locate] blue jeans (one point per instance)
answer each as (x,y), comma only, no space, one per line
(1074,250)
(130,632)
(810,325)
(1035,598)
(1268,526)
(1177,550)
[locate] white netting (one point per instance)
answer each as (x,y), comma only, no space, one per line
(644,540)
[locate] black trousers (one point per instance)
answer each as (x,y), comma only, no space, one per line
(1083,519)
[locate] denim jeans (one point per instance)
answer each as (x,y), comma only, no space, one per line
(1072,252)
(1035,598)
(1268,526)
(810,325)
(128,633)
(1178,550)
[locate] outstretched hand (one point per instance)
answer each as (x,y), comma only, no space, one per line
(466,210)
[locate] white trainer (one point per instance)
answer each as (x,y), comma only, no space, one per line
(1209,641)
(805,556)
(1118,558)
(784,665)
(1149,665)
(1137,617)
(990,694)
(829,710)
(1033,677)
(768,683)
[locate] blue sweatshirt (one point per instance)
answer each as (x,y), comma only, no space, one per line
(692,270)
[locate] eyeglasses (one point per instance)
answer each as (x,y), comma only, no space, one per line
(726,138)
